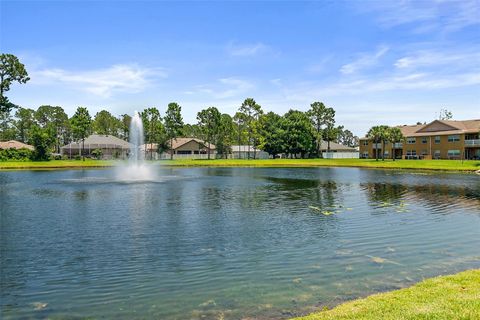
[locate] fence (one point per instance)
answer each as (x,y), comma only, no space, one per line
(341,155)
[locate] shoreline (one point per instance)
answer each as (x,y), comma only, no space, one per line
(455,296)
(469,166)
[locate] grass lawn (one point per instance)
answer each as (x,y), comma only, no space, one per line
(364,163)
(445,165)
(447,297)
(55,164)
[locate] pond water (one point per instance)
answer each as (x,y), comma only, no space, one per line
(226,243)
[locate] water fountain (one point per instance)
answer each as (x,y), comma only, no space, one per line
(136,169)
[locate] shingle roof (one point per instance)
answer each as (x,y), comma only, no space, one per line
(335,146)
(178,142)
(96,141)
(14,144)
(444,127)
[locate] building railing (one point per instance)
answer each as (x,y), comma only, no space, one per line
(473,142)
(398,145)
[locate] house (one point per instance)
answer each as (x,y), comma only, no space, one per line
(14,144)
(246,152)
(190,148)
(338,150)
(111,147)
(439,139)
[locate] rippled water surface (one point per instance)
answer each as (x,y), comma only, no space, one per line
(207,243)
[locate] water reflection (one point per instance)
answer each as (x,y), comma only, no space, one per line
(226,242)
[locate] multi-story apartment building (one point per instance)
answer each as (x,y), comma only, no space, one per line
(440,139)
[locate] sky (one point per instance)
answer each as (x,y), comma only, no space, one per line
(374,62)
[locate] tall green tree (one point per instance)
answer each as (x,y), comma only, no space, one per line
(317,114)
(226,135)
(106,124)
(251,111)
(7,130)
(23,124)
(173,123)
(375,135)
(42,139)
(81,123)
(272,133)
(209,121)
(153,128)
(11,70)
(299,136)
(57,119)
(396,136)
(125,120)
(330,132)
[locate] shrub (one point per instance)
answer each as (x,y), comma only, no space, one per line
(97,153)
(16,154)
(78,157)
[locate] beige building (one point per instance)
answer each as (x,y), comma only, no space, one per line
(440,139)
(191,148)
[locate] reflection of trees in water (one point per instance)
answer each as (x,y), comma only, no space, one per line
(379,193)
(320,193)
(432,195)
(436,195)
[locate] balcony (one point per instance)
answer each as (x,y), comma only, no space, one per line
(398,145)
(377,146)
(472,143)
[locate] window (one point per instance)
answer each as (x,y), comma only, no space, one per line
(437,139)
(453,153)
(424,140)
(411,140)
(386,153)
(184,152)
(424,152)
(365,154)
(454,138)
(411,152)
(437,153)
(365,142)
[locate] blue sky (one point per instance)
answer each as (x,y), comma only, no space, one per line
(388,62)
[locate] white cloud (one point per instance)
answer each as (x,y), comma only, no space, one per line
(101,82)
(224,88)
(246,49)
(427,58)
(425,16)
(364,61)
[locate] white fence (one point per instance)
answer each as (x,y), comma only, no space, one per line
(341,155)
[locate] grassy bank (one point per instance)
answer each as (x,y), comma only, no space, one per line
(55,164)
(455,165)
(445,165)
(448,297)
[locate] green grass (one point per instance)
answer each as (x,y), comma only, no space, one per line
(55,164)
(455,165)
(447,297)
(445,165)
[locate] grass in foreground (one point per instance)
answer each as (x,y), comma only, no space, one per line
(446,165)
(447,297)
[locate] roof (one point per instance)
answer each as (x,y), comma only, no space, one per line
(14,144)
(178,142)
(96,141)
(335,146)
(440,127)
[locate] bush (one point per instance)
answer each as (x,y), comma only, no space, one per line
(57,157)
(97,153)
(78,157)
(16,154)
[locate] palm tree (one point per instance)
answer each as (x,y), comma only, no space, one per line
(384,137)
(375,135)
(396,136)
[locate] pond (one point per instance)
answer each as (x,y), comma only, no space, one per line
(226,243)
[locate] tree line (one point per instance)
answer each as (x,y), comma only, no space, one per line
(295,133)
